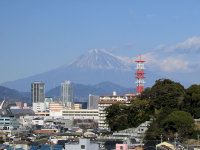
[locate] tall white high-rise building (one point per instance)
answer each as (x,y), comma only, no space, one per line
(93,101)
(67,94)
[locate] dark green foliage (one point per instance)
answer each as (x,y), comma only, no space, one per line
(169,105)
(154,132)
(146,94)
(164,112)
(165,98)
(120,116)
(165,93)
(116,117)
(179,122)
(138,112)
(191,102)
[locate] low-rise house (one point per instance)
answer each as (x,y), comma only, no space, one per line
(170,146)
(122,147)
(38,121)
(85,144)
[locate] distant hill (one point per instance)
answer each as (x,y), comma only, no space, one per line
(81,91)
(93,67)
(12,95)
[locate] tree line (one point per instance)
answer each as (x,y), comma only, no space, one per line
(170,106)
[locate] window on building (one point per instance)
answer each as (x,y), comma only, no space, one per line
(121,147)
(82,146)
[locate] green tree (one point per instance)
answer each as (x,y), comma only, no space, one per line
(180,122)
(138,112)
(191,102)
(120,116)
(165,97)
(116,117)
(166,93)
(146,94)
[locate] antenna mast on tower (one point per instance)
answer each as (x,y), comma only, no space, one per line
(140,75)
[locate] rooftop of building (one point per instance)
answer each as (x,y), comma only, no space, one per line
(110,102)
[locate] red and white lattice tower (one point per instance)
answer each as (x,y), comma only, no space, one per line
(140,75)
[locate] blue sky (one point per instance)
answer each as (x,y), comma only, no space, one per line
(37,36)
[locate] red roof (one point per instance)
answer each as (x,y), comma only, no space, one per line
(36,119)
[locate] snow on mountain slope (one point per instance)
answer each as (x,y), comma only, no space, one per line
(99,59)
(91,68)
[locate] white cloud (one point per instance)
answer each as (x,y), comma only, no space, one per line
(189,45)
(168,64)
(149,58)
(171,64)
(159,47)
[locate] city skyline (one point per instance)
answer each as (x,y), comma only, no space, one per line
(38,36)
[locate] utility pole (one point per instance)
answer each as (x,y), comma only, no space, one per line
(198,139)
(175,141)
(161,138)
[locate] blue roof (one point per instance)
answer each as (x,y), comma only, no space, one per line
(47,147)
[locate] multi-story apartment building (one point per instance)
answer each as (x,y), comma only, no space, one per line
(105,101)
(55,109)
(67,94)
(81,114)
(58,110)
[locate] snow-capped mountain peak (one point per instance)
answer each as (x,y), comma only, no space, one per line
(99,59)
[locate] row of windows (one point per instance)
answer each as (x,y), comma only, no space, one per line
(80,112)
(4,123)
(4,119)
(80,115)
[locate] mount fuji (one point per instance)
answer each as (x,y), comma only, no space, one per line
(91,68)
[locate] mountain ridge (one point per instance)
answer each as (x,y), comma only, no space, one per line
(91,68)
(81,92)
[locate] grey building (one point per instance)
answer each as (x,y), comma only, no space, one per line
(8,122)
(93,101)
(67,94)
(37,92)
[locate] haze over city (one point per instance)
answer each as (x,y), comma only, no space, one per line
(38,36)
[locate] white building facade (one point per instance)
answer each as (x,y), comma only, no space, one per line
(105,101)
(39,107)
(83,144)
